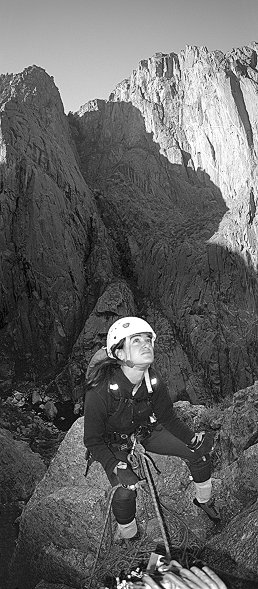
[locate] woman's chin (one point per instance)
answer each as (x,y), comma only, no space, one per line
(147,359)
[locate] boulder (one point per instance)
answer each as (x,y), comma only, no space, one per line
(62,523)
(20,469)
(239,428)
(237,544)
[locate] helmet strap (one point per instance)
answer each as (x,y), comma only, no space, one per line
(129,363)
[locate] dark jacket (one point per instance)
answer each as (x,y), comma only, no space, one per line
(110,407)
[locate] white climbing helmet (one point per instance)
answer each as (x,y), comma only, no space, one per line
(125,327)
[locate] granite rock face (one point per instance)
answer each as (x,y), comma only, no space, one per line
(201,107)
(55,255)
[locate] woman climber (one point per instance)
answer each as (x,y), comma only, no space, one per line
(125,395)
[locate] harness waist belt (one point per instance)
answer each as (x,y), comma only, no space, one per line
(125,440)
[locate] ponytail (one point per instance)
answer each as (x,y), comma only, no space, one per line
(103,368)
(101,371)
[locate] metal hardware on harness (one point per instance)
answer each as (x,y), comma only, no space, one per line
(132,459)
(89,460)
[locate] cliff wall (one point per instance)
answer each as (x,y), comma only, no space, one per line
(50,230)
(173,160)
(142,204)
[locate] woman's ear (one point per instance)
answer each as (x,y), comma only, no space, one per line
(120,354)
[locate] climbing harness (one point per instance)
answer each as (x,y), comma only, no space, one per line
(123,441)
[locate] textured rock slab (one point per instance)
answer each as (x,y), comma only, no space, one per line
(62,523)
(238,542)
(239,428)
(20,469)
(45,585)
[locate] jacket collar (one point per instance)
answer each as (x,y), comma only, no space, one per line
(124,384)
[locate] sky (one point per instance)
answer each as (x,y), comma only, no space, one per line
(89,46)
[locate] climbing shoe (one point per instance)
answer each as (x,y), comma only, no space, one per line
(135,538)
(127,532)
(210,509)
(118,539)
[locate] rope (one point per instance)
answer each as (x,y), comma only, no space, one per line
(140,461)
(109,503)
(144,460)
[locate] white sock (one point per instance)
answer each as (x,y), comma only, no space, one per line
(203,491)
(128,530)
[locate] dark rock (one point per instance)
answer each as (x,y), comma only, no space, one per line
(237,546)
(20,469)
(50,410)
(51,237)
(239,428)
(45,585)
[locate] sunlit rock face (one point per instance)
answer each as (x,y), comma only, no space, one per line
(202,109)
(172,159)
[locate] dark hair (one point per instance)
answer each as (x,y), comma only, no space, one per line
(104,369)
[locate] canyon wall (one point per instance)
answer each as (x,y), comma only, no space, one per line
(51,236)
(143,204)
(172,158)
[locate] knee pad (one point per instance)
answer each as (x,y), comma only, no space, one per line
(128,530)
(124,505)
(201,469)
(203,491)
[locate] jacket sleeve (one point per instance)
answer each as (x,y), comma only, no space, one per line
(95,419)
(166,414)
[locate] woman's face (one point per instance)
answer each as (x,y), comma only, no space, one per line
(140,348)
